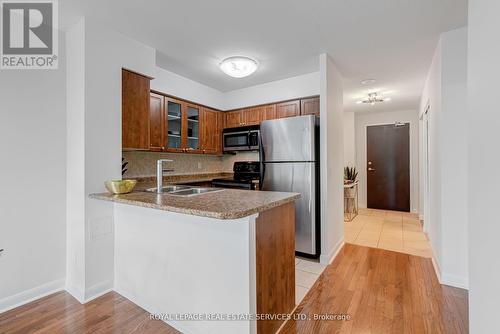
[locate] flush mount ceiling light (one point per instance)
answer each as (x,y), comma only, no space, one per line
(368,82)
(373,98)
(238,66)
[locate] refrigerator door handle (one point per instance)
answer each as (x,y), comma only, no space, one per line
(311,189)
(262,165)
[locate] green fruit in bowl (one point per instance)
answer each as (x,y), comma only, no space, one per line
(120,186)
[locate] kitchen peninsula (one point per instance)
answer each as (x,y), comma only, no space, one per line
(222,253)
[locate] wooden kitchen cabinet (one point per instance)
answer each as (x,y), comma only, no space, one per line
(309,106)
(269,112)
(244,117)
(192,116)
(252,116)
(234,119)
(182,127)
(135,111)
(288,109)
(220,120)
(156,122)
(211,134)
(175,125)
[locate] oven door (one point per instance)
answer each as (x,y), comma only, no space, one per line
(236,141)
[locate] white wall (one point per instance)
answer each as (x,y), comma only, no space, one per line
(332,159)
(431,97)
(349,139)
(446,216)
(484,181)
(454,157)
(362,120)
(176,85)
(32,193)
(75,164)
(286,89)
(104,55)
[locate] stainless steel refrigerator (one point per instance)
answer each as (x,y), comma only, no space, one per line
(289,155)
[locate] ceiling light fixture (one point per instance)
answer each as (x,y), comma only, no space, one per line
(368,82)
(238,66)
(373,98)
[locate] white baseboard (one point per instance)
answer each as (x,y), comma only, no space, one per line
(76,292)
(455,281)
(97,290)
(328,258)
(448,279)
(435,264)
(30,295)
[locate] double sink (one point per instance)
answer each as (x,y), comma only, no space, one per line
(184,191)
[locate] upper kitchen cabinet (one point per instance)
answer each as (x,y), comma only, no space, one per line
(269,112)
(252,116)
(135,111)
(244,117)
(309,106)
(192,114)
(288,109)
(234,119)
(157,139)
(174,124)
(211,131)
(182,127)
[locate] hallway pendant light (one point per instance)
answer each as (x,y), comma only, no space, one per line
(239,66)
(373,98)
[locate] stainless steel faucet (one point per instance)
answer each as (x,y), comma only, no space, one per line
(159,174)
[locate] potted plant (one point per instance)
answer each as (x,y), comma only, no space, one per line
(350,192)
(350,174)
(124,166)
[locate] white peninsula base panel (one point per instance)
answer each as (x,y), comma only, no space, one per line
(177,264)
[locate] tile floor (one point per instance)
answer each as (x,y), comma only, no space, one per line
(391,230)
(306,273)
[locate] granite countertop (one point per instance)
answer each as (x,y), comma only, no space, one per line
(224,204)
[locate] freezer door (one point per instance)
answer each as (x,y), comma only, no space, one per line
(288,139)
(300,178)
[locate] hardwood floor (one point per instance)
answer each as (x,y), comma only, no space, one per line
(61,313)
(383,292)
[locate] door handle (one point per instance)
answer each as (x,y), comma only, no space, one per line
(371,169)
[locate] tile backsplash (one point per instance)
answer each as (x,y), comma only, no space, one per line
(141,164)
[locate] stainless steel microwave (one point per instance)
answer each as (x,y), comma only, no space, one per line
(241,139)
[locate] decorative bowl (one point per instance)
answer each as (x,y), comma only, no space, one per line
(120,186)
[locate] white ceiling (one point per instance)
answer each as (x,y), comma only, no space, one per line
(391,41)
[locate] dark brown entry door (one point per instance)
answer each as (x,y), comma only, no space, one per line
(388,166)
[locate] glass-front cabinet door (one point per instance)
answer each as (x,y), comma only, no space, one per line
(193,127)
(174,124)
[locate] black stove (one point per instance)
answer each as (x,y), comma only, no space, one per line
(246,176)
